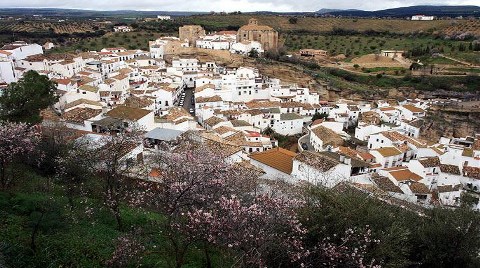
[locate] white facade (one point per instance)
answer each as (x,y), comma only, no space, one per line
(422,17)
(244,48)
(122,29)
(329,178)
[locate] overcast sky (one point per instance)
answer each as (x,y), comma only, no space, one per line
(229,5)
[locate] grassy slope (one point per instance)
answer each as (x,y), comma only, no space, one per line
(75,238)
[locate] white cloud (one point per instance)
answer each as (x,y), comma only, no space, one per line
(229,5)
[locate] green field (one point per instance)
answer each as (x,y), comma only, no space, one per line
(353,46)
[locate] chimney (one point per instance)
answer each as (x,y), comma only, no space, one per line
(342,158)
(348,161)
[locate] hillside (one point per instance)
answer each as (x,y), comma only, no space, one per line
(322,25)
(439,11)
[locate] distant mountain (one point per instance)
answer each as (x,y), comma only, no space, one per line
(328,10)
(439,11)
(57,12)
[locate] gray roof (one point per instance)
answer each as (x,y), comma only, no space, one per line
(354,162)
(273,110)
(290,116)
(163,134)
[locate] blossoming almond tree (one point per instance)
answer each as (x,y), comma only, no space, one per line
(209,201)
(16,139)
(108,158)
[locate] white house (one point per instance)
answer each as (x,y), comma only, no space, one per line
(388,156)
(245,47)
(323,139)
(126,117)
(422,17)
(277,163)
(320,169)
(122,29)
(289,124)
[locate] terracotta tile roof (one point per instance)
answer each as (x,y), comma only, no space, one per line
(385,109)
(262,104)
(328,136)
(449,188)
(347,151)
(82,101)
(430,162)
(471,172)
(78,115)
(109,81)
(321,162)
(224,130)
(120,77)
(388,151)
(396,136)
(370,118)
(137,102)
(125,70)
(385,184)
(240,140)
(254,112)
(239,123)
(63,81)
(290,116)
(402,147)
(214,120)
(89,88)
(366,156)
(201,88)
(127,113)
(208,99)
(419,188)
(413,109)
(294,104)
(405,175)
(176,113)
(277,158)
(255,27)
(223,148)
(418,123)
(450,169)
(395,168)
(246,165)
(318,122)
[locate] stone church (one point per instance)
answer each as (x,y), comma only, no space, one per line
(263,34)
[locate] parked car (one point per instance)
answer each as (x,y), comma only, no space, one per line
(304,146)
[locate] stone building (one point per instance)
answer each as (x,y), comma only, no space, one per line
(191,33)
(263,34)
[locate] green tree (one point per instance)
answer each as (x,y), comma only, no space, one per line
(319,116)
(293,20)
(22,101)
(253,53)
